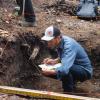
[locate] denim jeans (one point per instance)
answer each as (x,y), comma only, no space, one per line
(76,73)
(29,14)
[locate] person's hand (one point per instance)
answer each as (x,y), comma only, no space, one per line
(45,60)
(48,72)
(49,61)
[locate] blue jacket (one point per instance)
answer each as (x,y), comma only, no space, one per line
(72,53)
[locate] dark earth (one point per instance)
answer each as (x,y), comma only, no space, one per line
(21,49)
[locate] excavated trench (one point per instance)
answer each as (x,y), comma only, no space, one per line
(19,59)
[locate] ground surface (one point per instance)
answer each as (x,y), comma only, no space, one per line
(86,32)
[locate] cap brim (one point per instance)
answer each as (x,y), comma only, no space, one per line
(45,38)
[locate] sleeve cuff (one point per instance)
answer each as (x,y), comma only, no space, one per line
(60,73)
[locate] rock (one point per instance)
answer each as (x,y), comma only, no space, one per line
(85,87)
(58,20)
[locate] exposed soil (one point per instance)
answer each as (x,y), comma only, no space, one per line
(17,66)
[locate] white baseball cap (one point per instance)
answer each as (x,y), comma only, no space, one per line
(50,33)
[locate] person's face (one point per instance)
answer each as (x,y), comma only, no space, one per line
(54,42)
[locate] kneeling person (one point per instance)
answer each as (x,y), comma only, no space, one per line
(76,65)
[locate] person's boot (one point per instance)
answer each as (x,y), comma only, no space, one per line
(27,24)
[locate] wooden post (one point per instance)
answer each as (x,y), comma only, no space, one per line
(41,94)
